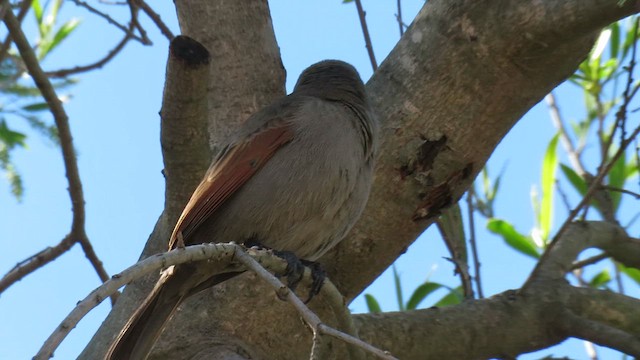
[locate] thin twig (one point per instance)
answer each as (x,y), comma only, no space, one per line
(111,21)
(472,241)
(563,196)
(590,261)
(155,17)
(134,22)
(34,262)
(98,64)
(399,17)
(556,119)
(77,233)
(365,32)
(624,191)
(24,9)
(618,278)
(627,95)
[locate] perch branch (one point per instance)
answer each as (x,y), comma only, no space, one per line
(227,256)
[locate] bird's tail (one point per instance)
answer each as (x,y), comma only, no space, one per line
(138,336)
(145,326)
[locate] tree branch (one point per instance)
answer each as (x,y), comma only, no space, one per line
(183,134)
(227,257)
(558,260)
(155,17)
(110,20)
(551,311)
(77,233)
(365,31)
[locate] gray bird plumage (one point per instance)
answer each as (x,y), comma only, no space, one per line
(295,177)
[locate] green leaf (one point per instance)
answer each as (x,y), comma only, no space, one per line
(15,181)
(37,10)
(372,304)
(65,30)
(420,293)
(549,167)
(49,43)
(633,273)
(607,69)
(600,45)
(454,297)
(617,179)
(600,279)
(631,169)
(35,107)
(576,180)
(396,282)
(53,14)
(452,230)
(630,35)
(519,242)
(614,44)
(11,138)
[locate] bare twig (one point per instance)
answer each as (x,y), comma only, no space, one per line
(590,261)
(34,262)
(365,32)
(96,65)
(624,191)
(556,119)
(24,9)
(133,9)
(77,233)
(133,24)
(155,17)
(399,17)
(563,196)
(472,241)
(111,21)
(621,114)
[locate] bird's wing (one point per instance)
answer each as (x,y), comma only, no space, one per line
(233,168)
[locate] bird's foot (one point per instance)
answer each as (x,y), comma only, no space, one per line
(295,271)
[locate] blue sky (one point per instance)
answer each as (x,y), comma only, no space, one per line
(115,123)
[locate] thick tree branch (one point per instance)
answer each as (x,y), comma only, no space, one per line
(551,312)
(447,94)
(580,236)
(183,134)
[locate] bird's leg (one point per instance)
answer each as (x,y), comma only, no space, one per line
(318,275)
(295,268)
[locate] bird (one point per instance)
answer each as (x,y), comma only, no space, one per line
(295,177)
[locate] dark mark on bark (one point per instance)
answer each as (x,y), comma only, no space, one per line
(440,196)
(427,152)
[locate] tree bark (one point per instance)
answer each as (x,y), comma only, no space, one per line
(461,76)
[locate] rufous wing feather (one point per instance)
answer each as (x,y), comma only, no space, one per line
(232,170)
